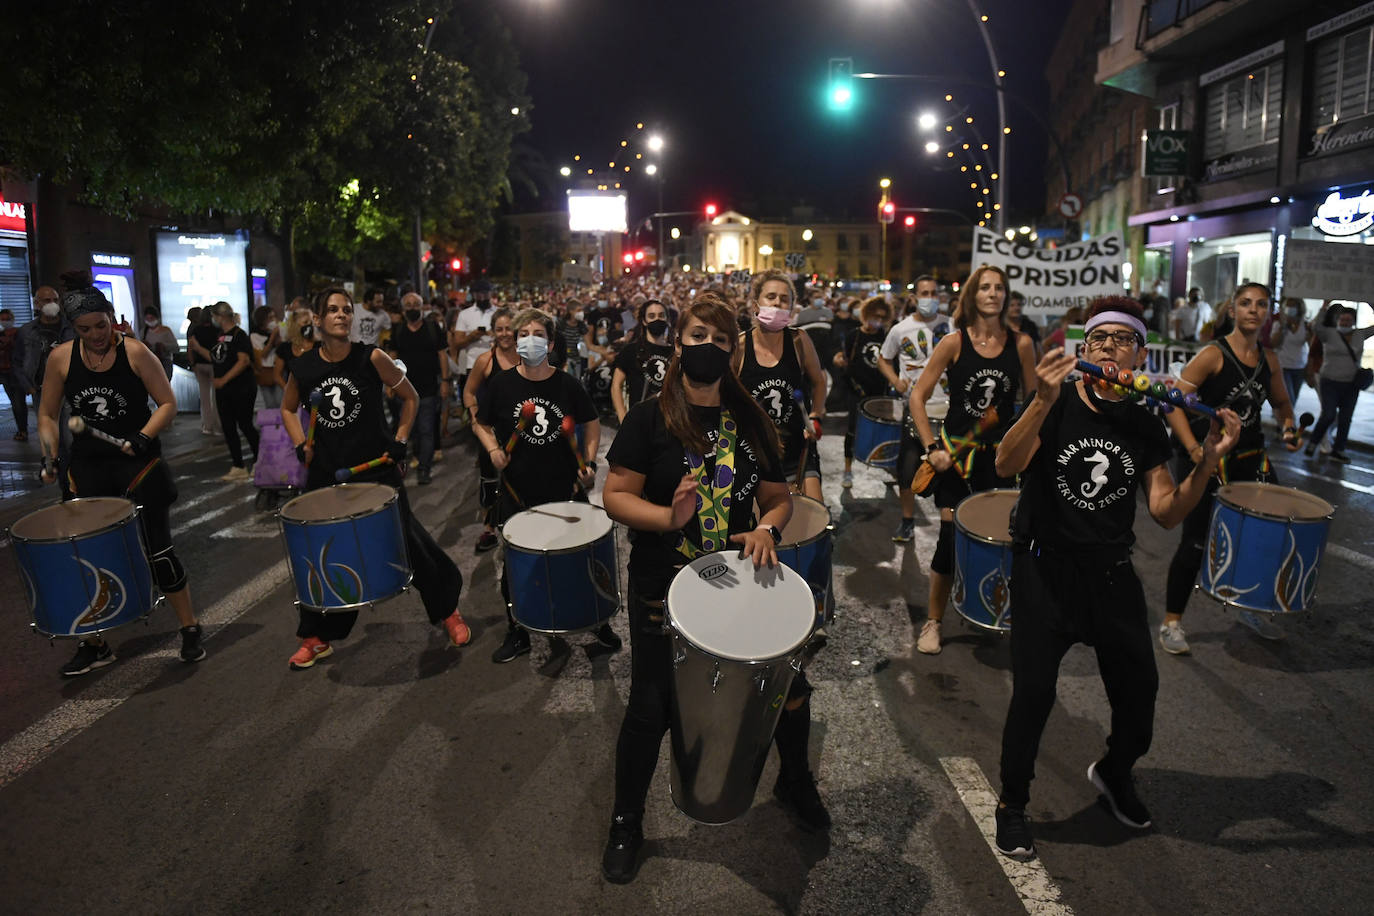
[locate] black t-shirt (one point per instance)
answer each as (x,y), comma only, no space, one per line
(542,468)
(644,445)
(863,355)
(206,335)
(224,353)
(1079,490)
(644,365)
(351,428)
(419,350)
(285,357)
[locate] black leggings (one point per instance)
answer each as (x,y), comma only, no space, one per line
(110,475)
(234,403)
(1092,597)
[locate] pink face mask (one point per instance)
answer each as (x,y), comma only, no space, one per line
(774,319)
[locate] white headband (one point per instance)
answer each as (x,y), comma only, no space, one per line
(1125,318)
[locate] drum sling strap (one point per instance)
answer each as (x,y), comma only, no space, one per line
(713,493)
(1227,462)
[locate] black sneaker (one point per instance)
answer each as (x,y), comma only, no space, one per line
(88,657)
(423,477)
(620,861)
(1339,457)
(1013,833)
(799,795)
(906,530)
(1119,791)
(191,649)
(486,541)
(517,643)
(1310,450)
(606,636)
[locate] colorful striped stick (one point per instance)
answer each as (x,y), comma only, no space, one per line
(343,474)
(569,428)
(526,415)
(316,398)
(1125,380)
(140,476)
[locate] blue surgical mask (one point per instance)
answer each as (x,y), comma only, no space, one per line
(533,350)
(927,308)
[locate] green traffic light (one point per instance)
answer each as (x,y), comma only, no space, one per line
(840,87)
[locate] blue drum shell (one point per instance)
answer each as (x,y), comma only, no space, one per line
(981,591)
(566,591)
(878,436)
(349,563)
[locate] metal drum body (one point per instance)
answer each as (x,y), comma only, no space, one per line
(878,432)
(982,559)
(1264,546)
(84,566)
(807,546)
(345,546)
(737,636)
(561,566)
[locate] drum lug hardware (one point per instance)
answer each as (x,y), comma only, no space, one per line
(680,657)
(715,677)
(796,663)
(762,680)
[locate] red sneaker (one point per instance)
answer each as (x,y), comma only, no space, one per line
(312,650)
(459,633)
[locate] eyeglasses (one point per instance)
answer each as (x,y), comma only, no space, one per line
(1098,340)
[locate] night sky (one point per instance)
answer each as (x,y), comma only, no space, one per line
(737,89)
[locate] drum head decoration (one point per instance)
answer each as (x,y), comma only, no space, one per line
(557,526)
(810,517)
(723,605)
(987,515)
(338,502)
(1271,501)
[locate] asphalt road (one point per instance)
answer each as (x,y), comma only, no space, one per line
(403,775)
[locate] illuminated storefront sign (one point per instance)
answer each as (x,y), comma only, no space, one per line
(1339,215)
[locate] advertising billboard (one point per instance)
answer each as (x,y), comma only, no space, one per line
(200,269)
(591,211)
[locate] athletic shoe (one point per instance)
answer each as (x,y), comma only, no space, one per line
(928,643)
(423,477)
(191,649)
(1172,638)
(906,530)
(459,633)
(799,795)
(1310,450)
(438,454)
(1264,627)
(606,636)
(486,541)
(516,644)
(88,657)
(1340,457)
(848,480)
(1325,448)
(620,861)
(1014,833)
(1120,795)
(312,650)
(236,474)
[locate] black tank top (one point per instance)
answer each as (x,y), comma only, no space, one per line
(114,401)
(351,428)
(1240,387)
(977,383)
(776,387)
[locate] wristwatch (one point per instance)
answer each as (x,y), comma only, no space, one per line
(774,533)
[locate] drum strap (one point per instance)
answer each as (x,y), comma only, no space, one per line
(713,493)
(962,450)
(1224,467)
(140,476)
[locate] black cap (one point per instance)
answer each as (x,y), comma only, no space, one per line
(480,285)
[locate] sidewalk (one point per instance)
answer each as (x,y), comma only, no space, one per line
(1361,426)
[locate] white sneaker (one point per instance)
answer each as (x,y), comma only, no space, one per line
(236,475)
(1172,639)
(928,643)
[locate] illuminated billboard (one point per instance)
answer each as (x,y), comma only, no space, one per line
(200,269)
(590,211)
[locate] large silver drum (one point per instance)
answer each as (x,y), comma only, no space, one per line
(737,636)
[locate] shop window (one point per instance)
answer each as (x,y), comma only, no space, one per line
(1243,111)
(1341,77)
(1168,120)
(865,243)
(842,242)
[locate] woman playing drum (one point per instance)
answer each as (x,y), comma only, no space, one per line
(107,378)
(1231,371)
(499,358)
(351,430)
(703,419)
(861,359)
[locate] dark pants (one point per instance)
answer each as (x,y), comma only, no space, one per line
(1092,597)
(19,401)
(1338,404)
(425,432)
(436,578)
(234,403)
(1292,382)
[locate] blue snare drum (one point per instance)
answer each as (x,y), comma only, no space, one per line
(561,567)
(345,546)
(806,547)
(84,566)
(1264,546)
(878,432)
(982,559)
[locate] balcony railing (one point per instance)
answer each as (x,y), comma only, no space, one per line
(1160,15)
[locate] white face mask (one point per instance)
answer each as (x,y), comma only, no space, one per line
(271,325)
(51,309)
(6,324)
(150,321)
(927,308)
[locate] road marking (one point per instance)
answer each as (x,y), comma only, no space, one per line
(1358,488)
(1032,883)
(212,494)
(27,749)
(1351,556)
(205,517)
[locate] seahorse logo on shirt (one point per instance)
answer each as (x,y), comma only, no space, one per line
(1097,474)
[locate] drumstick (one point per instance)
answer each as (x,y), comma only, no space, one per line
(316,398)
(526,415)
(926,472)
(1303,423)
(1126,380)
(569,428)
(343,474)
(78,426)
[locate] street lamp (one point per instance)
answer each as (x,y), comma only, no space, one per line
(926,121)
(765,251)
(655,143)
(932,146)
(650,169)
(806,235)
(565,171)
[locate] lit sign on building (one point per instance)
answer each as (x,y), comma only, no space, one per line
(13,215)
(1339,215)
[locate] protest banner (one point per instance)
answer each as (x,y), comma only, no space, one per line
(1054,280)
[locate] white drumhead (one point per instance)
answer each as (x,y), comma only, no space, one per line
(725,607)
(340,501)
(809,518)
(937,410)
(1273,501)
(557,526)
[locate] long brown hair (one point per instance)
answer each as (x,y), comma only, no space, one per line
(965,312)
(753,423)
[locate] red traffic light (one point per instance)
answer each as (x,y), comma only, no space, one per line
(909,222)
(628,258)
(711,210)
(639,255)
(888,212)
(456,265)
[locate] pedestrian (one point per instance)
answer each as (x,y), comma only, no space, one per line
(986,362)
(37,338)
(231,360)
(574,332)
(1184,320)
(101,368)
(539,469)
(1288,338)
(1020,322)
(371,318)
(861,363)
(1231,371)
(500,358)
(906,350)
(9,375)
(160,339)
(298,339)
(471,335)
(1074,316)
(421,346)
(351,431)
(200,338)
(1083,455)
(779,367)
(652,489)
(1342,376)
(642,363)
(263,340)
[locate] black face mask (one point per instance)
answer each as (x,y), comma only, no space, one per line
(657,327)
(412,314)
(704,363)
(1105,405)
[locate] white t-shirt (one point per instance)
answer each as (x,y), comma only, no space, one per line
(368,325)
(258,340)
(469,320)
(911,341)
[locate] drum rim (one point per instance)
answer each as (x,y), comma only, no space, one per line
(827,531)
(986,628)
(983,539)
(113,526)
(881,421)
(387,503)
(1227,602)
(1289,519)
(361,605)
(158,602)
(557,551)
